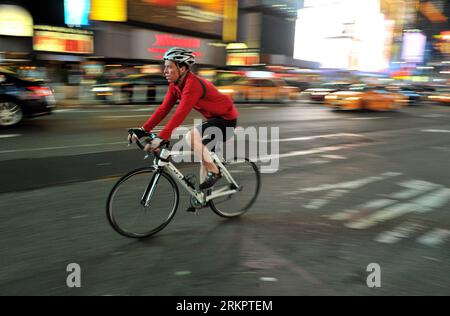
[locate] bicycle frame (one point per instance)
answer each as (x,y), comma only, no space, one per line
(162,162)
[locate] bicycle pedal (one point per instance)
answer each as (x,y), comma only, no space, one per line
(191,209)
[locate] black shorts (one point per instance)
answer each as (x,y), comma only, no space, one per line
(216,128)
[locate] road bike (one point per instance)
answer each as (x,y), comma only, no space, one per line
(145,200)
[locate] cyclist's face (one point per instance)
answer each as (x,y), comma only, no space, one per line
(171,71)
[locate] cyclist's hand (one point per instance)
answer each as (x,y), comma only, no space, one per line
(153,145)
(137,134)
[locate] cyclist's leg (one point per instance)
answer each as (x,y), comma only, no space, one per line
(209,134)
(195,140)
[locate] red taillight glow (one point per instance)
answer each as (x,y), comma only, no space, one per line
(40,91)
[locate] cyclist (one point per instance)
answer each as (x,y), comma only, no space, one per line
(193,93)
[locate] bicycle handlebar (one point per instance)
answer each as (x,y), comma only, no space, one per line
(151,137)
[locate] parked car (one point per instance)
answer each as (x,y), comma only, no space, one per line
(21,99)
(260,90)
(361,96)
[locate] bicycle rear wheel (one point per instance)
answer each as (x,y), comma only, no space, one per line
(248,178)
(126,212)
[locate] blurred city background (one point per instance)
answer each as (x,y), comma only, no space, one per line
(110,51)
(368,184)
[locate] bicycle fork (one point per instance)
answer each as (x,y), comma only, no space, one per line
(150,190)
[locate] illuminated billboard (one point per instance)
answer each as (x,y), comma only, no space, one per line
(109,10)
(344,34)
(63,40)
(204,16)
(413,48)
(76,12)
(15,21)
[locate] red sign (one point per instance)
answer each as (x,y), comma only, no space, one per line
(162,3)
(166,41)
(169,40)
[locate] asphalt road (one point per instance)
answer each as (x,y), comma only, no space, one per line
(346,190)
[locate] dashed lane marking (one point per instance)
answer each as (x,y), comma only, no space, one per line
(10,135)
(436,130)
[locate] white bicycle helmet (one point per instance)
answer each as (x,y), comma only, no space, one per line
(180,55)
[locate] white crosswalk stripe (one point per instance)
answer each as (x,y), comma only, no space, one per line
(435,237)
(368,206)
(417,197)
(400,232)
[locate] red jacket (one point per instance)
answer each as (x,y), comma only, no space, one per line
(209,102)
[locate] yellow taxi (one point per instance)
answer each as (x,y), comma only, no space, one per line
(260,90)
(441,96)
(362,96)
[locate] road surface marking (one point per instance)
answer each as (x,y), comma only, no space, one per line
(389,213)
(318,150)
(10,135)
(182,273)
(318,203)
(371,205)
(268,279)
(433,200)
(339,190)
(112,117)
(64,110)
(318,136)
(400,232)
(425,203)
(433,115)
(143,110)
(434,238)
(355,184)
(431,258)
(59,147)
(369,118)
(414,188)
(436,130)
(79,216)
(264,158)
(333,157)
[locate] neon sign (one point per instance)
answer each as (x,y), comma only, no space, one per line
(169,40)
(163,42)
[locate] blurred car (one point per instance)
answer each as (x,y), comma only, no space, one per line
(299,84)
(414,94)
(441,96)
(21,99)
(135,88)
(320,92)
(260,90)
(361,96)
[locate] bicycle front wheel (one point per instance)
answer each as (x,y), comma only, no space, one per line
(126,208)
(247,176)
